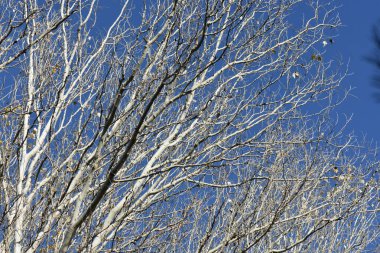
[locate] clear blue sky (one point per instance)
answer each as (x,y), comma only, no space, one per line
(353,44)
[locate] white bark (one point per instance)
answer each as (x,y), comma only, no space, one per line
(180,127)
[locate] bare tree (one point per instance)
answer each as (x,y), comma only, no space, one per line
(184,126)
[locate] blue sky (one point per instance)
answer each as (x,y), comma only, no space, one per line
(353,44)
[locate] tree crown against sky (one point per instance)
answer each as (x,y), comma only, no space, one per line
(185,126)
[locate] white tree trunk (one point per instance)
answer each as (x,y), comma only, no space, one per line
(178,126)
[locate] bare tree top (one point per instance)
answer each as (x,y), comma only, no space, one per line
(184,126)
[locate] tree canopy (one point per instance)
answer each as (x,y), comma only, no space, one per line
(178,126)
